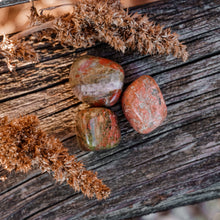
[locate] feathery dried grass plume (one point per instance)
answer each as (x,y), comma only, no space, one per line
(23,145)
(92,21)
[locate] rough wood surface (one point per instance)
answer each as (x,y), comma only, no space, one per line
(6,3)
(177,164)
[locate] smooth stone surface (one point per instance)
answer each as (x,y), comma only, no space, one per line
(143,105)
(97,81)
(97,129)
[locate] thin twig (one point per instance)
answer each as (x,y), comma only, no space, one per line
(54,7)
(31,30)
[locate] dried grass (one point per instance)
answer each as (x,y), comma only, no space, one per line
(24,145)
(92,21)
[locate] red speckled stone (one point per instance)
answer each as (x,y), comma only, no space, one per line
(97,129)
(143,105)
(97,81)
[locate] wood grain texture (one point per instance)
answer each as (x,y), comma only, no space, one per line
(6,3)
(177,164)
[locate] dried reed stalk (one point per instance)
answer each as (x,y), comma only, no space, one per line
(23,145)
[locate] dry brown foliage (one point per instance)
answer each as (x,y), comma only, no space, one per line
(24,145)
(92,21)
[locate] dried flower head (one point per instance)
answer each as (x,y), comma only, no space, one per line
(12,49)
(23,144)
(99,20)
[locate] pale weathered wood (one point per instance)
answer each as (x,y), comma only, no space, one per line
(177,164)
(125,3)
(132,3)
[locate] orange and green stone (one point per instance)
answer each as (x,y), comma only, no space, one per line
(97,81)
(143,105)
(97,129)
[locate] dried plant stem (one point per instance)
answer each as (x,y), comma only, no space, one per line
(54,7)
(23,144)
(31,30)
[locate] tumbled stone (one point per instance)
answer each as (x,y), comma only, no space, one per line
(97,129)
(143,105)
(97,81)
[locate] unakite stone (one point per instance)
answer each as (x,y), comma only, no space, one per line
(97,81)
(97,129)
(143,105)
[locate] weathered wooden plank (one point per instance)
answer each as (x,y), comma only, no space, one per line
(6,3)
(205,104)
(63,192)
(64,60)
(177,164)
(149,174)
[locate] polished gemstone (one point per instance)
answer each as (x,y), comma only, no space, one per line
(97,129)
(143,105)
(97,81)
